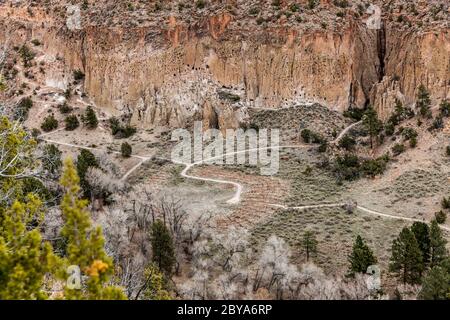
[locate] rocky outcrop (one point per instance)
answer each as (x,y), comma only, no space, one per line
(167,74)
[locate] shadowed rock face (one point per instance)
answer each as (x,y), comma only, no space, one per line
(168,72)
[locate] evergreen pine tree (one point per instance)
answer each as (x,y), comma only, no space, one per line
(90,118)
(361,257)
(372,124)
(438,251)
(422,234)
(162,246)
(309,244)
(406,260)
(436,284)
(85,160)
(424,102)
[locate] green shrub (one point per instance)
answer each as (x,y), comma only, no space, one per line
(309,136)
(440,216)
(78,75)
(200,4)
(312,4)
(224,95)
(306,135)
(438,123)
(323,146)
(389,129)
(294,7)
(35,132)
(22,109)
(90,118)
(36,42)
(398,148)
(409,133)
(71,122)
(27,55)
(374,167)
(49,123)
(354,113)
(413,142)
(126,150)
(341,3)
(447,150)
(444,108)
(445,203)
(347,142)
(253,11)
(119,131)
(347,167)
(64,108)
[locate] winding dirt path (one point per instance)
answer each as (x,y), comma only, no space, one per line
(124,177)
(237,196)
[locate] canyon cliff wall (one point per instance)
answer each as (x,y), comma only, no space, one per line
(172,73)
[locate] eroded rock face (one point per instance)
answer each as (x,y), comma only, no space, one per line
(166,74)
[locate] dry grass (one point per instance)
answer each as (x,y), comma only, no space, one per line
(335,230)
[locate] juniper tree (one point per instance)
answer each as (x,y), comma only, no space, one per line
(361,257)
(71,122)
(90,118)
(25,258)
(85,160)
(50,123)
(84,243)
(406,260)
(126,150)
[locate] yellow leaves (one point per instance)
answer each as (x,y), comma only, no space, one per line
(69,178)
(97,267)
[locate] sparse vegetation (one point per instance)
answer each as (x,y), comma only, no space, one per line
(65,108)
(398,148)
(71,122)
(27,55)
(50,123)
(119,131)
(126,150)
(90,118)
(440,216)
